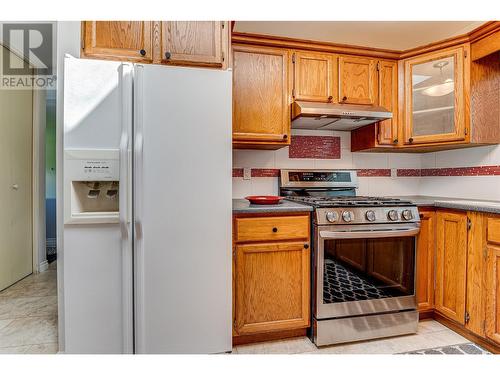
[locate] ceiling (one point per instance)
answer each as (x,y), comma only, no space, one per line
(393,35)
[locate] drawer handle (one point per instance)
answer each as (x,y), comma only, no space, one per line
(168,55)
(306,246)
(142,52)
(275,229)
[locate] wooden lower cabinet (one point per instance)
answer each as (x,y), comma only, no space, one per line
(426,253)
(451,264)
(271,284)
(492,323)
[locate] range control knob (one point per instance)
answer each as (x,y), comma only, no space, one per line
(407,215)
(370,215)
(348,216)
(392,215)
(332,216)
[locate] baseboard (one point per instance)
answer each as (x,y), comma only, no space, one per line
(270,336)
(44,266)
(461,330)
(425,314)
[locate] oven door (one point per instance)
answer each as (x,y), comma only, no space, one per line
(364,269)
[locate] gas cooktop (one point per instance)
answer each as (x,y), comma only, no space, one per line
(349,201)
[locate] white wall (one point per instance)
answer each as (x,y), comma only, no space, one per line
(474,187)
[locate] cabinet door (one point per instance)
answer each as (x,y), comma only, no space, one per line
(118,40)
(388,98)
(493,281)
(451,263)
(272,287)
(192,42)
(434,100)
(425,261)
(261,96)
(357,80)
(314,77)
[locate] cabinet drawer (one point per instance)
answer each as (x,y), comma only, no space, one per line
(271,228)
(494,230)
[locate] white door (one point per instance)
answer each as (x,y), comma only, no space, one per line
(16,240)
(182,209)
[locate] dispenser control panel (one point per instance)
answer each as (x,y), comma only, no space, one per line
(98,169)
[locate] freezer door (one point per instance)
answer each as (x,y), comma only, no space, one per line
(97,258)
(182,209)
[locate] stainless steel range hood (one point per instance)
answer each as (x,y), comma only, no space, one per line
(328,116)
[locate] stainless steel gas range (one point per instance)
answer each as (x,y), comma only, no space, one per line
(363,266)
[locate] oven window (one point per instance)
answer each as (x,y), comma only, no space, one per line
(364,269)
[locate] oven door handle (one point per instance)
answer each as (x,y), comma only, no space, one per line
(407,232)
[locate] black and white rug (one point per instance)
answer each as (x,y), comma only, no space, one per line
(469,348)
(341,284)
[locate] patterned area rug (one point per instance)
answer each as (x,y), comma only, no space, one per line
(452,349)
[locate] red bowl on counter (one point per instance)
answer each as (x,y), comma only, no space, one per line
(264,199)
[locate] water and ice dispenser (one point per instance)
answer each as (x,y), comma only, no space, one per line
(91,186)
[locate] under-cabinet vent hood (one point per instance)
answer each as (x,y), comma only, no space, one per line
(328,116)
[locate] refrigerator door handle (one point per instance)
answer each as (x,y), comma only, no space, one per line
(123,182)
(138,153)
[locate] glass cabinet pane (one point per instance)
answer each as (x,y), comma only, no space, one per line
(433,97)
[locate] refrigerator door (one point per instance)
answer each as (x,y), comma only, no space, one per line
(182,210)
(97,258)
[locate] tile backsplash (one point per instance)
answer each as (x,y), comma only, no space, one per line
(380,173)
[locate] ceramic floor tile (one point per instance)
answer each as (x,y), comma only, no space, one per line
(290,346)
(29,331)
(11,308)
(36,289)
(5,322)
(427,326)
(431,334)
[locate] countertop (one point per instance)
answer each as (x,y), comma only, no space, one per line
(456,203)
(242,206)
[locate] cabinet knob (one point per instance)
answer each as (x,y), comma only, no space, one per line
(168,55)
(285,136)
(344,98)
(330,99)
(410,140)
(275,229)
(142,52)
(421,216)
(395,141)
(306,246)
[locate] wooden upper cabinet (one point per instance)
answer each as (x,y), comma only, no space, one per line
(357,80)
(451,264)
(493,280)
(272,287)
(314,76)
(435,98)
(388,98)
(261,97)
(193,42)
(426,252)
(118,40)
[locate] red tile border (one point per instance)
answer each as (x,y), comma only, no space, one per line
(257,172)
(374,172)
(409,172)
(487,170)
(261,172)
(314,147)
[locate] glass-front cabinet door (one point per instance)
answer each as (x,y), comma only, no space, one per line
(435,107)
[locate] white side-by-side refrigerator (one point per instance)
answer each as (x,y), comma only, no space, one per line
(147,208)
